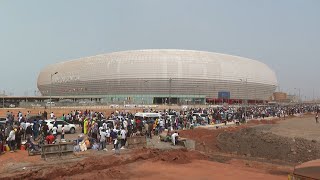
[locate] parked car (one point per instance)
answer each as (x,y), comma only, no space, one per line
(52,103)
(114,106)
(68,128)
(199,115)
(36,105)
(110,122)
(3,123)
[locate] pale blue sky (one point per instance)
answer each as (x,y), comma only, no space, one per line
(284,34)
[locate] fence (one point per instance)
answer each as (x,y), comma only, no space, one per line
(56,150)
(137,142)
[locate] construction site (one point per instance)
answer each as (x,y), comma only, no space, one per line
(265,149)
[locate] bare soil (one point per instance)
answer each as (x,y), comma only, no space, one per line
(255,143)
(148,164)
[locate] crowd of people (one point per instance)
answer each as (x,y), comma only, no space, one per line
(99,130)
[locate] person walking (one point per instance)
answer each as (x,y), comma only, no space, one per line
(114,136)
(103,135)
(18,137)
(85,126)
(174,138)
(45,115)
(7,131)
(123,134)
(62,132)
(11,140)
(108,132)
(1,138)
(35,129)
(317,116)
(44,129)
(29,132)
(55,132)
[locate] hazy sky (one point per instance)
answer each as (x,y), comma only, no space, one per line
(284,34)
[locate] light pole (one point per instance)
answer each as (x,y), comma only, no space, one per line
(3,98)
(170,81)
(199,94)
(313,95)
(299,94)
(51,89)
(195,95)
(246,100)
(146,87)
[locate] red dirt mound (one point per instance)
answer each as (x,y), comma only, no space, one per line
(180,156)
(108,166)
(273,121)
(206,140)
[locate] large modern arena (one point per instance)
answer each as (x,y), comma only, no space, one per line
(161,76)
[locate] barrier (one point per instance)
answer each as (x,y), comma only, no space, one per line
(137,142)
(56,150)
(189,144)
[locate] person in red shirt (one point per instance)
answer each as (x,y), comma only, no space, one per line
(138,125)
(50,139)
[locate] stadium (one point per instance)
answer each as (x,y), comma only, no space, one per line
(161,76)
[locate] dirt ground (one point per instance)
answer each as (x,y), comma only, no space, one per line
(292,141)
(260,149)
(145,164)
(305,127)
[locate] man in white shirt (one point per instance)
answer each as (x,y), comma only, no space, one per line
(108,131)
(174,138)
(104,125)
(123,134)
(103,135)
(11,140)
(51,115)
(27,124)
(125,124)
(54,131)
(161,125)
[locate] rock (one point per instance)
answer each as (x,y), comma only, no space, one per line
(314,141)
(292,150)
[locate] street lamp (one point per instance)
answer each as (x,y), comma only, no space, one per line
(170,81)
(51,89)
(246,100)
(195,98)
(146,93)
(299,94)
(4,93)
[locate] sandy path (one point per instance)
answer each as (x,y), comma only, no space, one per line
(198,169)
(304,127)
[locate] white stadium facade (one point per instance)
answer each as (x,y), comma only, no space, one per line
(159,76)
